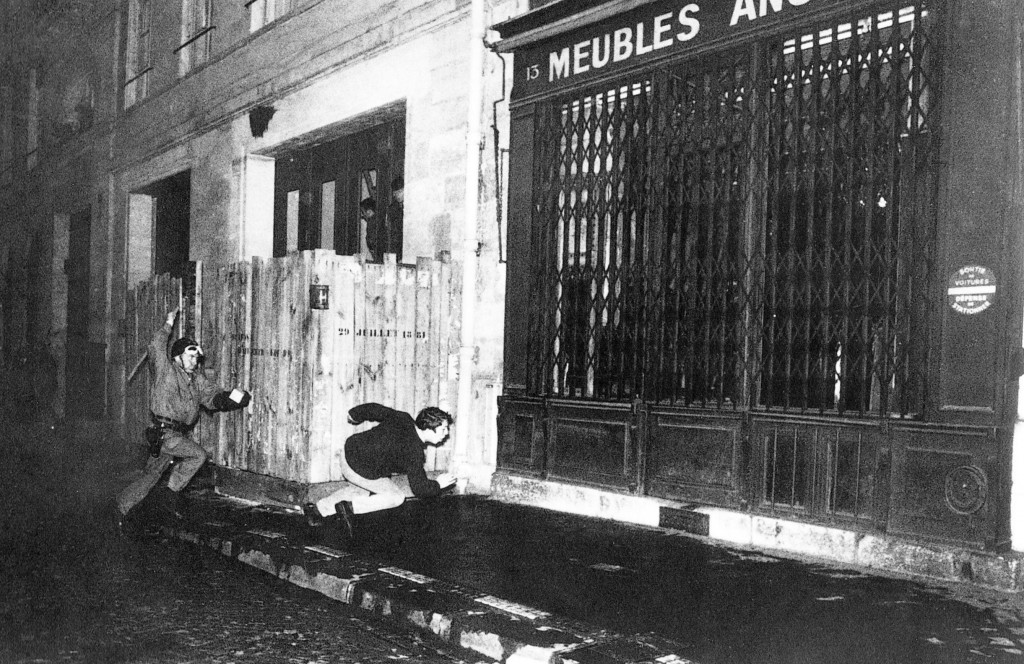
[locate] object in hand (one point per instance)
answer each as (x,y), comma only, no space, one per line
(233,400)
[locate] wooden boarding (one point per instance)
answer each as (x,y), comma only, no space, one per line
(348,278)
(146,309)
(385,336)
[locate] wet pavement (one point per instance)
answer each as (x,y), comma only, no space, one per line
(718,605)
(71,591)
(725,605)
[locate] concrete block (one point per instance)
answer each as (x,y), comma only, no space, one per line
(531,654)
(805,539)
(585,501)
(637,648)
(728,526)
(995,571)
(259,560)
(901,556)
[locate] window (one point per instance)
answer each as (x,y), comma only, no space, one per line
(345,195)
(750,229)
(264,12)
(196,29)
(76,111)
(137,56)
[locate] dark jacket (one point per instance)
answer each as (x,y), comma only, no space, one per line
(391,448)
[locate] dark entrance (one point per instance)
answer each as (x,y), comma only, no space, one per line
(172,207)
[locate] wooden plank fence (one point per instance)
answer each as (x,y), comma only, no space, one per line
(382,335)
(146,310)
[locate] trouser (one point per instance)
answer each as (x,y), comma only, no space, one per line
(175,446)
(387,492)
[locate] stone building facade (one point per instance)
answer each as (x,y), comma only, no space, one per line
(160,134)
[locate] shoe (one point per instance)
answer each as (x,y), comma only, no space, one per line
(171,502)
(313,516)
(345,518)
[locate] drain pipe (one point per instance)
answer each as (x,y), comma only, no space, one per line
(470,248)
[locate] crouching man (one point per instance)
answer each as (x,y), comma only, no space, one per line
(178,390)
(370,459)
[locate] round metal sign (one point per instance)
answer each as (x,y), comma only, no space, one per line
(966,489)
(972,289)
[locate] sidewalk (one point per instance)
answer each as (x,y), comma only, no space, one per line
(881,552)
(278,541)
(517,583)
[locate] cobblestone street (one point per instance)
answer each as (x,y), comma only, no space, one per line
(75,593)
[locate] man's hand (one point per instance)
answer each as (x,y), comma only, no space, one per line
(172,316)
(233,400)
(445,480)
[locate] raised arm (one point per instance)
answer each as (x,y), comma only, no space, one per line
(158,345)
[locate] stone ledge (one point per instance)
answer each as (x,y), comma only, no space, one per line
(882,553)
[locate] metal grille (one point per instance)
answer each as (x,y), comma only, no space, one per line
(593,156)
(848,147)
(704,197)
(751,229)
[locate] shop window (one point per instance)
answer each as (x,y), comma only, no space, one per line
(264,12)
(137,55)
(713,237)
(196,33)
(595,210)
(848,145)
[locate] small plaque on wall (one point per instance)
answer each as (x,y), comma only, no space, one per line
(319,296)
(972,289)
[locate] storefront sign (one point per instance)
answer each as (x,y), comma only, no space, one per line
(972,289)
(646,33)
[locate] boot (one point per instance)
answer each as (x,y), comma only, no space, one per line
(345,519)
(313,516)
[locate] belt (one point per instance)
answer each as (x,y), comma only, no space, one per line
(168,423)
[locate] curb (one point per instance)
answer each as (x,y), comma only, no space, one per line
(498,629)
(875,552)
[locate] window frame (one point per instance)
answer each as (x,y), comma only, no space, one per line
(197,28)
(138,53)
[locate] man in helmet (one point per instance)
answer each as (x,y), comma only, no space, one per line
(178,390)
